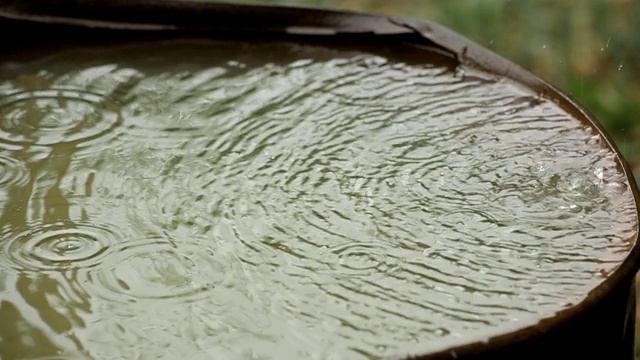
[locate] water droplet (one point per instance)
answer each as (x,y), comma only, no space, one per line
(575,208)
(599,173)
(67,245)
(374,61)
(234,63)
(540,167)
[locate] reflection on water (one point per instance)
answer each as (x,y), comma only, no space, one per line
(190,199)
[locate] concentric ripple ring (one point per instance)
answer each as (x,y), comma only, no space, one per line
(157,270)
(49,117)
(12,172)
(50,248)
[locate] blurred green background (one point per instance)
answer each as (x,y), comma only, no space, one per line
(590,49)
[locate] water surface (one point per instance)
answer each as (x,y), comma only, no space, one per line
(201,200)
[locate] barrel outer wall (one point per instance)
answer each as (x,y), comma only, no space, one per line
(603,327)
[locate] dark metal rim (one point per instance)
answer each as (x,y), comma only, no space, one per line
(190,15)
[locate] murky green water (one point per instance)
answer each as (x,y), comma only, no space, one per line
(209,200)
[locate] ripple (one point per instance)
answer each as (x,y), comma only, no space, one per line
(358,258)
(364,203)
(58,247)
(12,172)
(156,270)
(50,117)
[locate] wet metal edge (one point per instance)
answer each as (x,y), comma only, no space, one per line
(301,23)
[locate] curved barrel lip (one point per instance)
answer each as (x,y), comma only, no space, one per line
(190,15)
